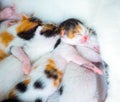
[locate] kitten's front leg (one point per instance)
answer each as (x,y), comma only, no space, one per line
(20,54)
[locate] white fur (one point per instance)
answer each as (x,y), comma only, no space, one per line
(39,45)
(38,74)
(80,85)
(32,94)
(10,74)
(35,47)
(83,79)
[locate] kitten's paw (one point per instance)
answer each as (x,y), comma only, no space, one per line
(26,67)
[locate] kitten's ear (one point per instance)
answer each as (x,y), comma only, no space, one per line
(24,17)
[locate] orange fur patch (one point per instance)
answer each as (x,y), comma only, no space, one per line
(27,81)
(51,61)
(25,25)
(72,32)
(6,38)
(11,93)
(54,72)
(2,55)
(48,27)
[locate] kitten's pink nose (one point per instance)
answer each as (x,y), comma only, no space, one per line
(84,39)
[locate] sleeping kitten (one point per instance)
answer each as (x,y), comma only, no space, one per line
(27,40)
(47,73)
(74,32)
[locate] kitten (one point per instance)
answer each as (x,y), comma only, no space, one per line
(27,40)
(47,73)
(74,32)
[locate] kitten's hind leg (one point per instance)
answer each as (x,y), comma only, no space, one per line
(86,64)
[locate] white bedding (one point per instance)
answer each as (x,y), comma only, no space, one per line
(102,15)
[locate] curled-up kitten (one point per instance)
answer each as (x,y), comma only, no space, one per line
(28,40)
(74,32)
(47,73)
(80,85)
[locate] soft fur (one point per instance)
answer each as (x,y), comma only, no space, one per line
(42,71)
(48,71)
(25,35)
(28,33)
(80,85)
(10,74)
(74,32)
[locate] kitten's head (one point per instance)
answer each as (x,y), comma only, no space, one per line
(73,31)
(42,82)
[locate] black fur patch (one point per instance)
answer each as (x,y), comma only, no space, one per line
(35,19)
(57,43)
(38,100)
(61,90)
(11,100)
(50,32)
(70,23)
(51,74)
(38,85)
(92,31)
(21,87)
(27,35)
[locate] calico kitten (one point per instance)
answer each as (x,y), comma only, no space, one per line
(47,73)
(74,32)
(27,40)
